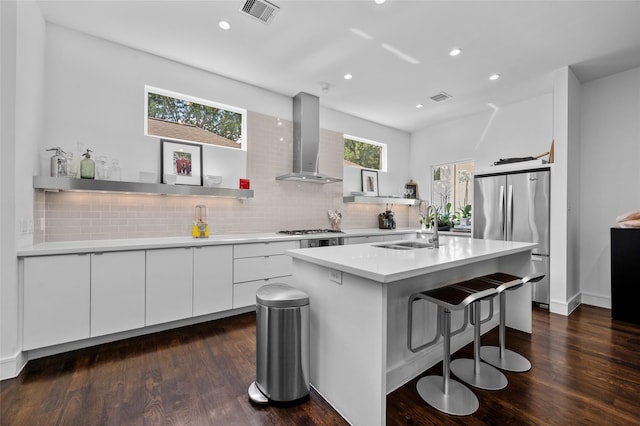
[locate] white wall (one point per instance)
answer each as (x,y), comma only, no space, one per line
(565,279)
(516,130)
(393,180)
(95,94)
(610,178)
(23,32)
(8,267)
(100,86)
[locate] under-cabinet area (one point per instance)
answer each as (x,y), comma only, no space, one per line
(72,297)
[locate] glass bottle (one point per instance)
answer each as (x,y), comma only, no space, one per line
(101,167)
(72,166)
(87,166)
(78,158)
(114,173)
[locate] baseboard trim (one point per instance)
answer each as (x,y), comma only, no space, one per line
(12,366)
(563,308)
(598,300)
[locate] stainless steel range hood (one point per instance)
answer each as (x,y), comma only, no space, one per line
(306,141)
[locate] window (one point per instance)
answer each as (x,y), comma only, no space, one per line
(363,153)
(186,118)
(452,183)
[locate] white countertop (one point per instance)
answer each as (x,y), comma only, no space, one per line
(388,265)
(93,246)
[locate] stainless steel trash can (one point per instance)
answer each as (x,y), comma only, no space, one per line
(282,345)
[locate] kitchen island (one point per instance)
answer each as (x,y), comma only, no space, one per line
(358,313)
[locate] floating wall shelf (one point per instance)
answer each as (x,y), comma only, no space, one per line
(379,200)
(93,185)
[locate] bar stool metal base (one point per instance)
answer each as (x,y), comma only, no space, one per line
(511,361)
(459,401)
(487,377)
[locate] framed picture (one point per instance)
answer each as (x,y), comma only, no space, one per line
(183,160)
(370,182)
(411,190)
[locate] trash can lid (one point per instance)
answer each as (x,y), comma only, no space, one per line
(281,296)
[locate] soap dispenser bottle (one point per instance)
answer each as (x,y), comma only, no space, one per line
(58,163)
(87,166)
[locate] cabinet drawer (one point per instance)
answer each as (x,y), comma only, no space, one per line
(258,268)
(244,294)
(263,249)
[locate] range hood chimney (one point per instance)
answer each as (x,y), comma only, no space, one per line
(306,141)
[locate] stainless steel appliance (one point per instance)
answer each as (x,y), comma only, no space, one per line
(320,240)
(515,207)
(306,141)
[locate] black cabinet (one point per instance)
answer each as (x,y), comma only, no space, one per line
(625,274)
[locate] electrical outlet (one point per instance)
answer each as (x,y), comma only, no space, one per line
(335,276)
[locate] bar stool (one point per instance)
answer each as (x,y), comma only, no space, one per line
(502,357)
(473,371)
(442,392)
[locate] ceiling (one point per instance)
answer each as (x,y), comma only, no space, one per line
(397,52)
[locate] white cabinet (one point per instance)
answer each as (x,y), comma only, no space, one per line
(364,239)
(117,292)
(258,264)
(56,300)
(259,268)
(169,290)
(212,279)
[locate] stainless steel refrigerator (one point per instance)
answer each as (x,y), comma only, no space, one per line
(515,207)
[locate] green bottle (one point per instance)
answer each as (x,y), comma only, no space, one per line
(87,166)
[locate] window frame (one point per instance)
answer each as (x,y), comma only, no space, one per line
(383,152)
(164,92)
(454,182)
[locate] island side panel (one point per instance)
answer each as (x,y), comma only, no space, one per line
(348,341)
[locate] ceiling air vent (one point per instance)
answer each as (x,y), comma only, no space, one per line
(261,10)
(442,96)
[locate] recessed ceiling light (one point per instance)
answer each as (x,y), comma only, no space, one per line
(455,52)
(379,1)
(224,25)
(419,106)
(494,77)
(348,76)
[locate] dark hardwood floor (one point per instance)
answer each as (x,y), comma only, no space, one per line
(586,370)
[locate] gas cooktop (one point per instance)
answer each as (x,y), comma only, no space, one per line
(310,231)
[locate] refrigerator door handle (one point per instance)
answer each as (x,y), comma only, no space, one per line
(502,212)
(509,227)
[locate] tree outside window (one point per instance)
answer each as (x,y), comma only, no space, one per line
(365,154)
(175,116)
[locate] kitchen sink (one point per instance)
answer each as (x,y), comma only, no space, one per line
(407,245)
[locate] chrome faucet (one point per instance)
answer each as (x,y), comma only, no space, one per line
(435,239)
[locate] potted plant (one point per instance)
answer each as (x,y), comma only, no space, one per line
(464,214)
(445,218)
